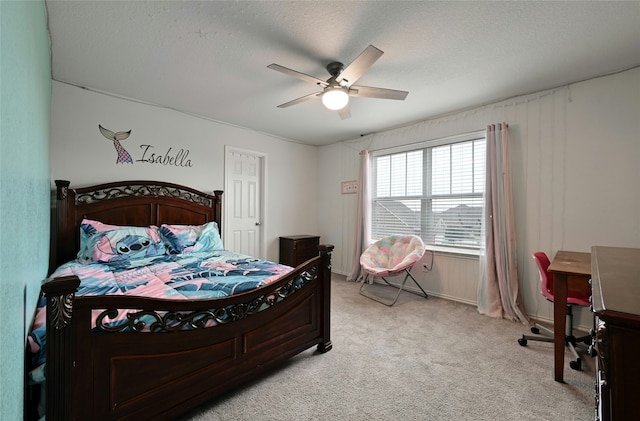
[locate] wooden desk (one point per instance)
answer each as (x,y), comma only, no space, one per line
(571,270)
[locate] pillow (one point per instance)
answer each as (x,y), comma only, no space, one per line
(104,243)
(179,239)
(88,228)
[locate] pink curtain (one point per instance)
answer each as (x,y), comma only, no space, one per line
(363,217)
(498,293)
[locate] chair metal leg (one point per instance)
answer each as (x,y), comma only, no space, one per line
(400,289)
(574,344)
(576,363)
(545,330)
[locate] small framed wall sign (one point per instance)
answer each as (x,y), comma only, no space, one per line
(350,187)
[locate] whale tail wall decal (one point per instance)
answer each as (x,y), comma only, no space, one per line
(116,137)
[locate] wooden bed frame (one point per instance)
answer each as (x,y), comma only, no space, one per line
(101,375)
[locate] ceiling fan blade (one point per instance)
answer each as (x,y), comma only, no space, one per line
(360,65)
(299,100)
(297,74)
(345,112)
(371,92)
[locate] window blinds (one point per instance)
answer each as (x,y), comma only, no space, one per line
(436,192)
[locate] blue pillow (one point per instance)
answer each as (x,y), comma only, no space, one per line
(180,239)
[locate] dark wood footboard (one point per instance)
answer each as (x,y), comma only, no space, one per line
(96,373)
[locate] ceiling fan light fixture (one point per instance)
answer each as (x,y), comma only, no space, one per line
(335,98)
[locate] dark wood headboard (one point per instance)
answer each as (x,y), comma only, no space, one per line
(134,203)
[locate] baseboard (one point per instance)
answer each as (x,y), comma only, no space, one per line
(430,293)
(534,317)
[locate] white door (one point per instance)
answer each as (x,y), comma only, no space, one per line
(243,200)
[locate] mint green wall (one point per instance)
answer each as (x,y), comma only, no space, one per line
(25,102)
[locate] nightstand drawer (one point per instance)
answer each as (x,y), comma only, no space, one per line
(297,249)
(307,249)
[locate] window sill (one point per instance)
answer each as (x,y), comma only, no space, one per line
(454,252)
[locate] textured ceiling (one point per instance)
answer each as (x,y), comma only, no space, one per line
(210,58)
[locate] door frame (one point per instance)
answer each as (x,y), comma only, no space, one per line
(263,196)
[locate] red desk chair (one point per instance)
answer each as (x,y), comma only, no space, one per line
(573,298)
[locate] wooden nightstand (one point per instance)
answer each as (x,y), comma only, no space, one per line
(297,249)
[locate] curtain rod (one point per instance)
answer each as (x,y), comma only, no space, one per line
(447,139)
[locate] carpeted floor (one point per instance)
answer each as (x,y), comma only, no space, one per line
(422,359)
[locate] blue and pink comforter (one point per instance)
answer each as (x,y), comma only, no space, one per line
(188,276)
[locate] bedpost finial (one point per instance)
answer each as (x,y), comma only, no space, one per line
(62,189)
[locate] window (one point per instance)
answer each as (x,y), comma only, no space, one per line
(434,190)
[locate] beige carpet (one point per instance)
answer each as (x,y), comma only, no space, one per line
(423,359)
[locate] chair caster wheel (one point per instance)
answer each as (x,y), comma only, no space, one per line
(535,330)
(522,342)
(576,365)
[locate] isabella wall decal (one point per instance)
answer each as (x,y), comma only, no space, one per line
(172,158)
(116,137)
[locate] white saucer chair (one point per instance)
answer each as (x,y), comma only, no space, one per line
(388,257)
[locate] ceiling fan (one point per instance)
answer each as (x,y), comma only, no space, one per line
(340,86)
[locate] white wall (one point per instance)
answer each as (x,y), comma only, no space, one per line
(81,154)
(575,158)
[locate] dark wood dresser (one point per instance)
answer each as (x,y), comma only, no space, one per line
(616,303)
(296,249)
